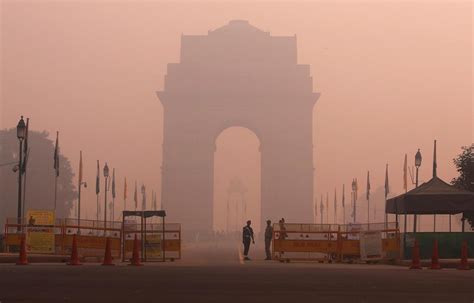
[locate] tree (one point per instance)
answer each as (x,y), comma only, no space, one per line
(40,176)
(464,163)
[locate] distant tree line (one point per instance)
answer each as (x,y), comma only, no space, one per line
(40,176)
(464,163)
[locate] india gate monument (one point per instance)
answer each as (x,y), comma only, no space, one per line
(237,75)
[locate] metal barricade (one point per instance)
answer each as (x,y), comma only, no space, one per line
(332,242)
(150,240)
(293,241)
(91,236)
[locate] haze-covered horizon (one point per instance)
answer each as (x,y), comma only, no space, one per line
(392,76)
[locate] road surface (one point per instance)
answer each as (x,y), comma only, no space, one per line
(214,274)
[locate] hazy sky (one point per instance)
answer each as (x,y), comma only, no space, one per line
(393,76)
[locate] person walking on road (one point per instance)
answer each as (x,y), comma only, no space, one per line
(247,236)
(268,239)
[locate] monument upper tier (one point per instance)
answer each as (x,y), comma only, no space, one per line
(239,42)
(234,60)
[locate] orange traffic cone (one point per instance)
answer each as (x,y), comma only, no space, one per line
(415,259)
(464,265)
(108,254)
(74,255)
(435,257)
(22,260)
(135,261)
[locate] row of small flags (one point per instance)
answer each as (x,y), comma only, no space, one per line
(113,188)
(355,187)
(125,188)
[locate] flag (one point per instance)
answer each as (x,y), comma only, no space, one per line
(97,180)
(368,186)
(113,183)
(143,197)
(25,148)
(125,189)
(387,187)
(135,196)
(80,168)
(435,165)
(56,155)
(343,196)
(405,180)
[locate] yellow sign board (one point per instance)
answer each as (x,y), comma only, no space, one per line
(40,217)
(153,246)
(40,231)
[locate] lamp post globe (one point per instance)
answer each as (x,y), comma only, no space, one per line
(21,129)
(106,170)
(418,158)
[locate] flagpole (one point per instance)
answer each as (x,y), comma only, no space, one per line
(124,195)
(387,190)
(327,208)
(335,207)
(97,191)
(368,213)
(343,205)
(435,166)
(322,210)
(315,211)
(113,209)
(55,192)
(405,182)
(79,195)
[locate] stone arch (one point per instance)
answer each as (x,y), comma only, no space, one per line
(237,163)
(237,75)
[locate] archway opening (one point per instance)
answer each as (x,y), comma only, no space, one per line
(237,196)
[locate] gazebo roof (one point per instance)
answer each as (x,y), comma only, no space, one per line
(432,197)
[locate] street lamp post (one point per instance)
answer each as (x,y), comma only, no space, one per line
(106,176)
(81,183)
(20,133)
(417,165)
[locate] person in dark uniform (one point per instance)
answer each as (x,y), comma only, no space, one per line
(268,239)
(247,236)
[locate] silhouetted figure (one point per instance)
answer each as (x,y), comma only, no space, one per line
(31,221)
(268,239)
(283,234)
(247,236)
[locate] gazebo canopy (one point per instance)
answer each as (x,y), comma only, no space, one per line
(432,197)
(145,213)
